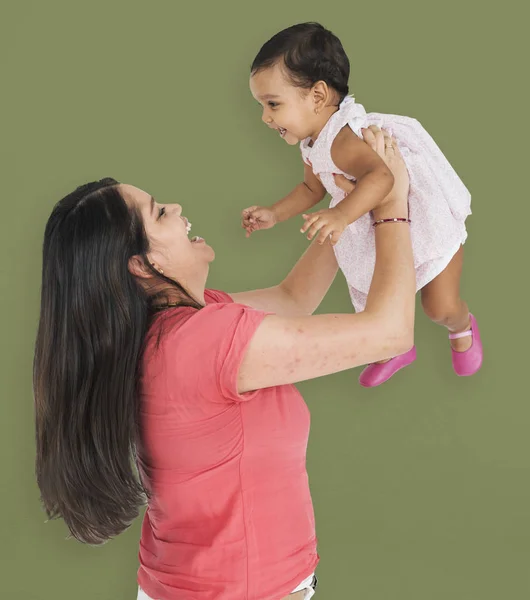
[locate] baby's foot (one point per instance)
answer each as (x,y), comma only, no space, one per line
(467,362)
(464,343)
(377,373)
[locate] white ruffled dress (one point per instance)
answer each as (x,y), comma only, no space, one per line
(438,200)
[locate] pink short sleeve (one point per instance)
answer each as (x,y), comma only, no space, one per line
(211,296)
(212,346)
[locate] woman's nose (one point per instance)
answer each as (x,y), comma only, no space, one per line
(178,209)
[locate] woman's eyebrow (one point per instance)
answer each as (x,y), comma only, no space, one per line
(152,205)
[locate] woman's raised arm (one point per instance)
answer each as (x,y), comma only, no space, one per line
(290,349)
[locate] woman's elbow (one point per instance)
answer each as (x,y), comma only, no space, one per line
(398,334)
(404,339)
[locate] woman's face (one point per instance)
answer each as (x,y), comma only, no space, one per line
(183,257)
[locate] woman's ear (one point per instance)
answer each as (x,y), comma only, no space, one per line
(138,268)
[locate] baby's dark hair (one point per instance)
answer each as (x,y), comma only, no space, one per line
(310,53)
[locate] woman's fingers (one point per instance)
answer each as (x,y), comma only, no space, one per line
(369,137)
(343,183)
(379,140)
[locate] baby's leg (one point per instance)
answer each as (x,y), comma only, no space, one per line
(441,301)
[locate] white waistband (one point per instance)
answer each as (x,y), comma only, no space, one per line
(305,583)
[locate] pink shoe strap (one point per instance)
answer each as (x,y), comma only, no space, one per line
(456,336)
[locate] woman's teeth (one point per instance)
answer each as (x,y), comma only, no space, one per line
(195,238)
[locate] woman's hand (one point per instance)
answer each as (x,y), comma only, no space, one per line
(396,203)
(346,185)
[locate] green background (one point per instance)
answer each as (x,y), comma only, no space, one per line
(421,487)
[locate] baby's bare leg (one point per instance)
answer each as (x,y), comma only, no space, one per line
(441,302)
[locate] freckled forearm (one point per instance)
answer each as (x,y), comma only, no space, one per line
(311,277)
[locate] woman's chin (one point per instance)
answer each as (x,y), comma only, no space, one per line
(200,245)
(210,251)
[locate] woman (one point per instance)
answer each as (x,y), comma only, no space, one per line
(136,358)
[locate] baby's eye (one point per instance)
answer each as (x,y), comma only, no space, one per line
(272,104)
(162,211)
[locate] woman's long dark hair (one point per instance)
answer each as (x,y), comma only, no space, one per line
(93,322)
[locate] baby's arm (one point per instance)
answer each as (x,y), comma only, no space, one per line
(374,179)
(303,197)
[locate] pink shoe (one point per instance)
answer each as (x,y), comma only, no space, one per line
(377,373)
(468,362)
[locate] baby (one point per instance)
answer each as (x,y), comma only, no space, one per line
(300,78)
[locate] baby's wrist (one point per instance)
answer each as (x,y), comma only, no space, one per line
(342,214)
(276,217)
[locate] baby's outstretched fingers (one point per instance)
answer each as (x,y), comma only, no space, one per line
(247,212)
(334,237)
(309,220)
(316,227)
(324,234)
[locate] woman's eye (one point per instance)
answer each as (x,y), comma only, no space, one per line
(162,211)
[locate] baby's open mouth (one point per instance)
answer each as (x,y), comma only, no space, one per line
(282,131)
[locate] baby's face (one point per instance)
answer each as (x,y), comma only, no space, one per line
(286,108)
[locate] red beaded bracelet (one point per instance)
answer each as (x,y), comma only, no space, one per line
(391,221)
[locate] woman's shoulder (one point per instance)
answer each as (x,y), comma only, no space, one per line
(202,336)
(216,296)
(218,314)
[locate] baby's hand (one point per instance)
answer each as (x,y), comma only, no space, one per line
(327,223)
(257,217)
